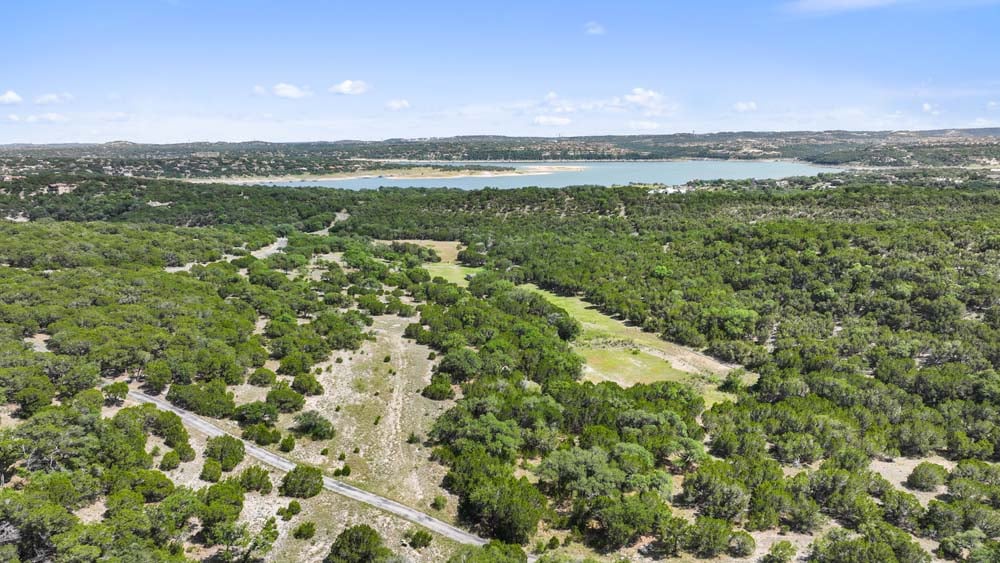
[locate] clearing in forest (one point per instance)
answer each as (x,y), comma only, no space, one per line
(613,350)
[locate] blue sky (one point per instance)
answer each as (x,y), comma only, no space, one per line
(180,70)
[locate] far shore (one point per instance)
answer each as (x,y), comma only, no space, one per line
(424,173)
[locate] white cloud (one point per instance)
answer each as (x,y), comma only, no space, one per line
(397,105)
(260,90)
(57,98)
(745,107)
(38,118)
(834,6)
(594,28)
(642,125)
(350,87)
(290,91)
(550,120)
(10,97)
(930,108)
(650,102)
(991,106)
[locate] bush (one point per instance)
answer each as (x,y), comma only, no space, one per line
(171,460)
(741,544)
(781,552)
(262,377)
(261,435)
(115,393)
(285,398)
(926,477)
(439,389)
(289,511)
(302,482)
(228,451)
(211,471)
(418,539)
(255,478)
(708,537)
(304,531)
(257,412)
(287,443)
(439,502)
(315,425)
(207,399)
(358,544)
(307,384)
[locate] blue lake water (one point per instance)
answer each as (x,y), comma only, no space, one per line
(593,173)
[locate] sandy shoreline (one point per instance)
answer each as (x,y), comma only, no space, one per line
(539,170)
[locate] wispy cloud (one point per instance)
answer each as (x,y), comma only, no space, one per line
(350,87)
(594,28)
(745,107)
(835,6)
(290,91)
(56,98)
(823,7)
(397,105)
(551,120)
(10,97)
(930,109)
(37,118)
(651,102)
(992,106)
(643,125)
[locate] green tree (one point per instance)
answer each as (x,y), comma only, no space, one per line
(302,482)
(228,451)
(358,544)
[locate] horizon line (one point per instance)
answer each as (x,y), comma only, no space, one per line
(498,135)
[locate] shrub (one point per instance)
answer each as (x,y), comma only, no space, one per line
(285,398)
(304,531)
(211,471)
(228,451)
(262,377)
(358,544)
(781,552)
(287,443)
(255,478)
(418,539)
(707,537)
(302,482)
(289,511)
(207,399)
(171,460)
(315,425)
(439,389)
(115,393)
(439,502)
(307,384)
(926,477)
(741,544)
(257,412)
(261,435)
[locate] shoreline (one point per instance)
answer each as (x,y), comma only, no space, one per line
(529,168)
(610,161)
(540,170)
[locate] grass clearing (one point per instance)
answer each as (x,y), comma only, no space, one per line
(613,350)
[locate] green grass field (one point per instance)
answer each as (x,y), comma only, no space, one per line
(615,351)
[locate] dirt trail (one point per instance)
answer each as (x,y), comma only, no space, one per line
(210,429)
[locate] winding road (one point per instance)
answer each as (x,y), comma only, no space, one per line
(433,524)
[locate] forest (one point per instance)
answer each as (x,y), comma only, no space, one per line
(864,316)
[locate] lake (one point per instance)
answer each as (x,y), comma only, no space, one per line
(593,173)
